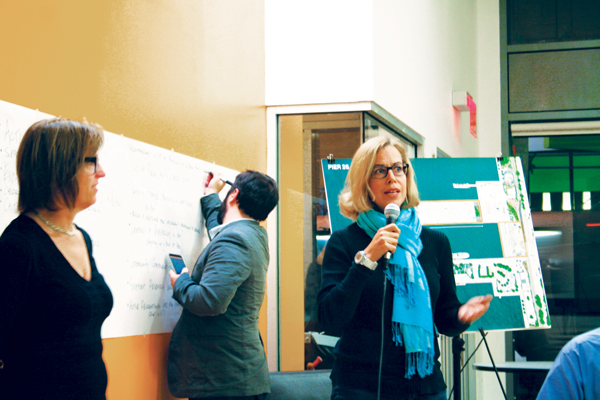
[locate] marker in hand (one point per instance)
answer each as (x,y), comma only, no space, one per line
(226,181)
(222,179)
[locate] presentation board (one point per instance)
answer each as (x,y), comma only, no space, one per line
(334,176)
(481,205)
(148,206)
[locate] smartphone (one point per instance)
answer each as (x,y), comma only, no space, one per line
(177,263)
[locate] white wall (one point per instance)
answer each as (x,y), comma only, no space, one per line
(425,50)
(318,51)
(407,56)
(489,117)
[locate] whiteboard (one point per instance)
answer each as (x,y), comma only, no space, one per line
(148,205)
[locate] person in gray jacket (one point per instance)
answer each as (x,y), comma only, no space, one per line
(216,351)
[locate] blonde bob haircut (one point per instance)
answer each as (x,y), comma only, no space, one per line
(51,154)
(356,196)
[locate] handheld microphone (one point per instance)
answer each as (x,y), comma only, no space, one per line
(391,212)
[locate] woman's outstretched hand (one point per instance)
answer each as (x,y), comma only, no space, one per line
(473,309)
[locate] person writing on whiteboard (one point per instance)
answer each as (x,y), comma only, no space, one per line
(388,312)
(53,300)
(215,350)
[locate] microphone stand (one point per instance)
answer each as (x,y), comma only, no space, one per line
(458,346)
(384,264)
(391,212)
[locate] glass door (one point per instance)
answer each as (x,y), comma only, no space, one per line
(304,140)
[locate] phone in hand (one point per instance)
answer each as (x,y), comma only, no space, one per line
(177,263)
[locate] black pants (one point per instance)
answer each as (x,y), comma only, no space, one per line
(255,397)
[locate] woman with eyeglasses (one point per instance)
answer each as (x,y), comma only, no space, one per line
(53,300)
(388,314)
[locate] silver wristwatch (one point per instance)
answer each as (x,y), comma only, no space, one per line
(362,259)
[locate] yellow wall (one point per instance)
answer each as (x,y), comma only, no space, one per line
(291,248)
(187,75)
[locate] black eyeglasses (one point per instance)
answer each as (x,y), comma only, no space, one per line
(91,165)
(380,172)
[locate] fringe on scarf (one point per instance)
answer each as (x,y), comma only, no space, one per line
(417,360)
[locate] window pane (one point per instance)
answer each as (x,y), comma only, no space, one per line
(550,161)
(374,128)
(567,241)
(548,180)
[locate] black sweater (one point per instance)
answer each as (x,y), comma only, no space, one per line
(50,319)
(350,304)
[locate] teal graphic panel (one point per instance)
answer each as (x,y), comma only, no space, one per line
(450,172)
(476,241)
(503,312)
(334,176)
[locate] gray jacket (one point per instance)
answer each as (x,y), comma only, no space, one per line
(215,348)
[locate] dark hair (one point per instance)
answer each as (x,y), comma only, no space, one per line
(258,194)
(50,156)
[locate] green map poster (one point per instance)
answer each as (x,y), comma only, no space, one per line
(481,204)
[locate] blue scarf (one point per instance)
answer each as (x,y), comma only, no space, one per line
(412,323)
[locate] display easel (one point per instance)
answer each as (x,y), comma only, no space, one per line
(458,346)
(481,205)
